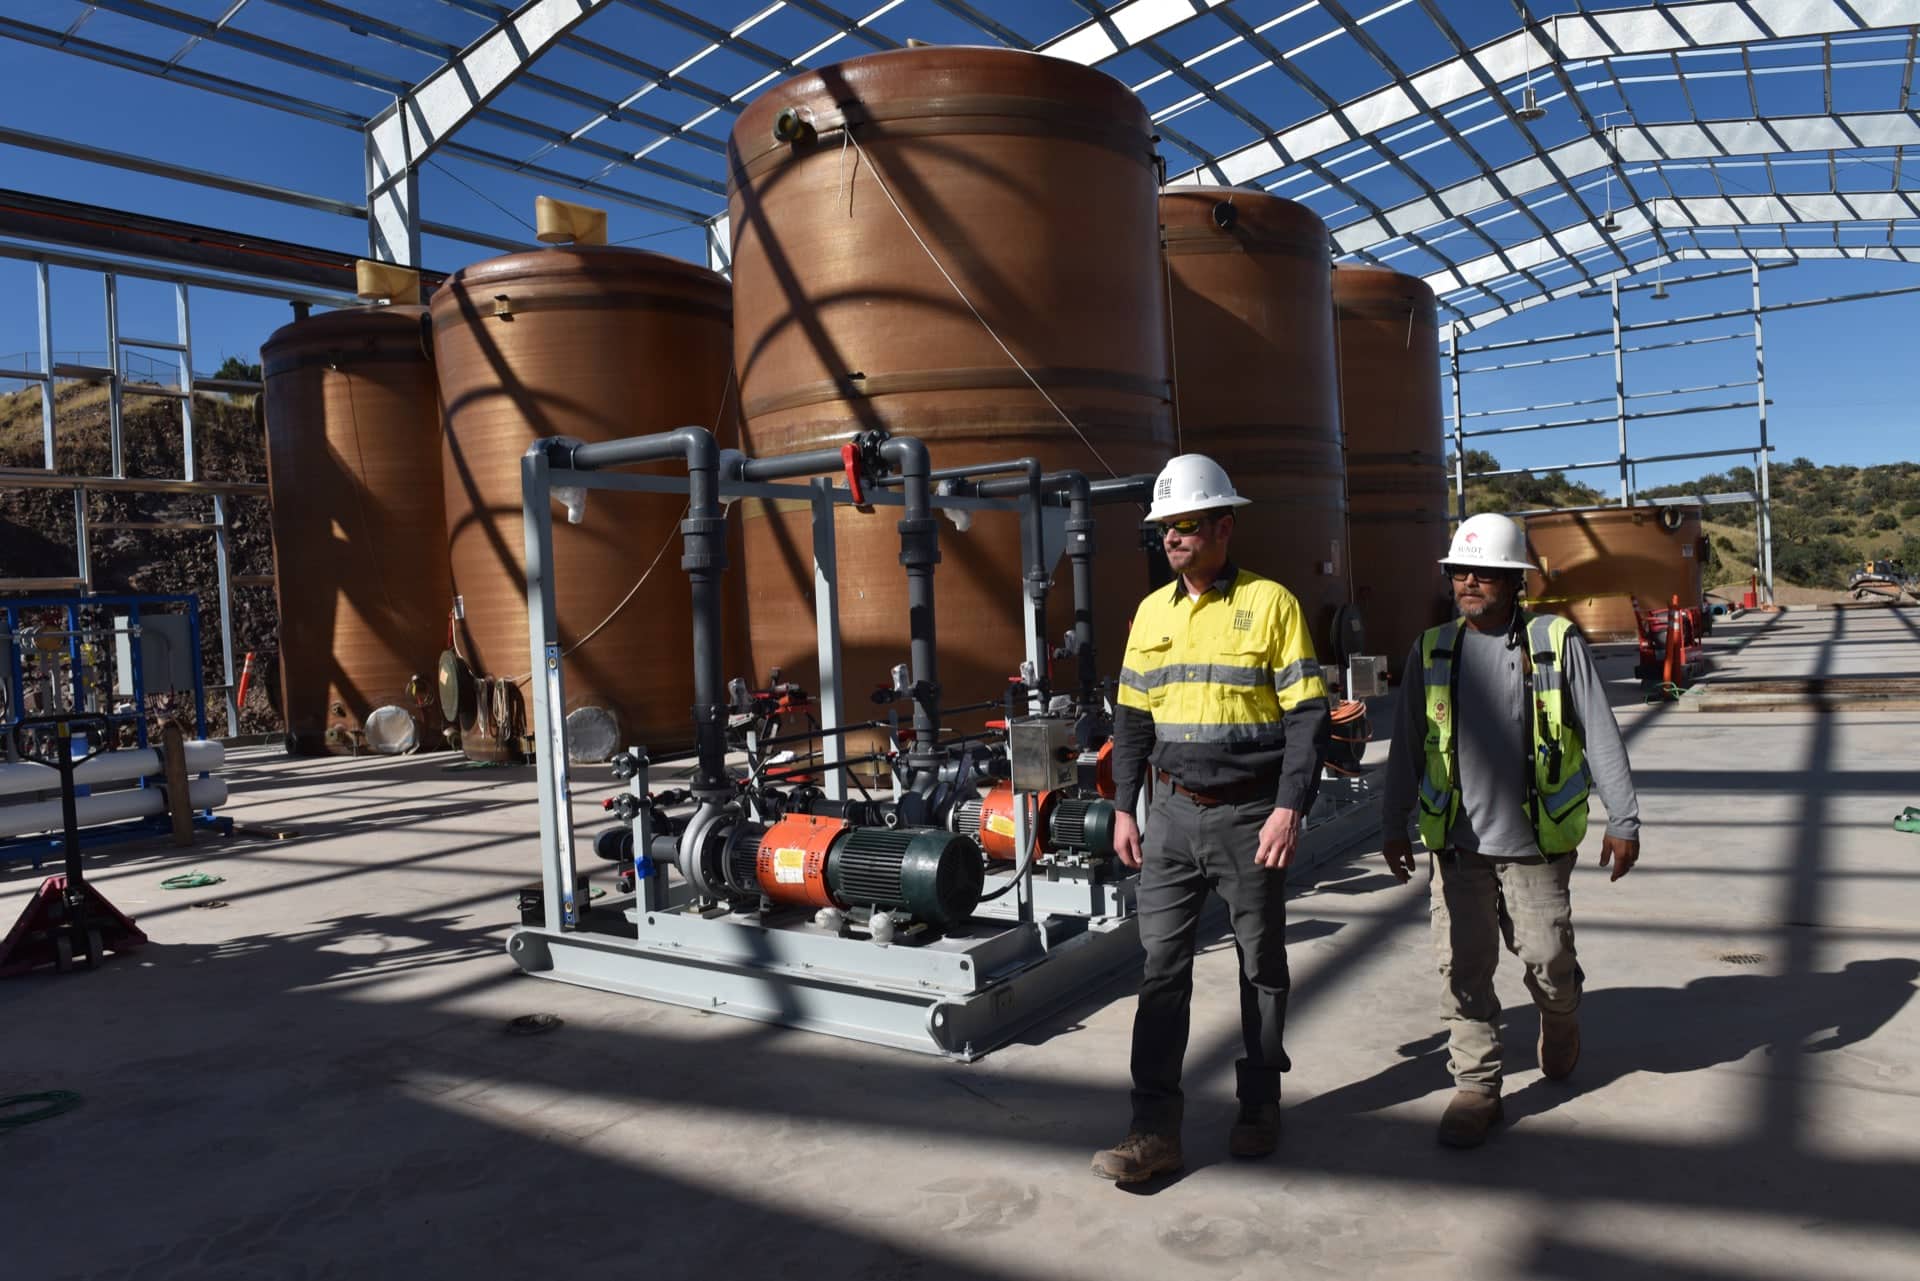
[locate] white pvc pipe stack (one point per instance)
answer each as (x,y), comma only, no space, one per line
(20,817)
(203,756)
(111,807)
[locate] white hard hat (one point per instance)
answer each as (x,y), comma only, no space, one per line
(1192,483)
(1491,541)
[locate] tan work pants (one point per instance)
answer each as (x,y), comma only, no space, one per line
(1479,903)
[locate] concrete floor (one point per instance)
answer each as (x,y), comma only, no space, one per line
(314,1080)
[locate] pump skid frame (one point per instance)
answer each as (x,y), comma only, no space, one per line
(1063,932)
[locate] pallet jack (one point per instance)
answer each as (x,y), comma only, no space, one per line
(67,918)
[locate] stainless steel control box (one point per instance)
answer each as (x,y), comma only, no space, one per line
(1366,676)
(1044,754)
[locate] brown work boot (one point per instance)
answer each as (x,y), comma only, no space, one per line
(1139,1157)
(1256,1131)
(1469,1115)
(1559,1044)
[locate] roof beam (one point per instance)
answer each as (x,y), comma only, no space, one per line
(1729,253)
(1122,27)
(1583,35)
(400,138)
(126,60)
(1636,143)
(1682,215)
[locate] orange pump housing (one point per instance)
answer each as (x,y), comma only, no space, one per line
(792,863)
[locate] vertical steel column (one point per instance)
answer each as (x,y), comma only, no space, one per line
(1459,425)
(76,664)
(549,697)
(221,572)
(393,203)
(113,377)
(1766,480)
(186,378)
(1620,394)
(826,622)
(45,288)
(83,551)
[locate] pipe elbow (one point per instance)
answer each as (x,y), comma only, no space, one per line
(908,454)
(703,452)
(557,450)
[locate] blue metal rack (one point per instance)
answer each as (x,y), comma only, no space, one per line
(14,610)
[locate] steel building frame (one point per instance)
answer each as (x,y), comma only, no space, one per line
(113,375)
(1452,105)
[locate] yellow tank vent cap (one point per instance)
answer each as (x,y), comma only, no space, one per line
(374,281)
(556,222)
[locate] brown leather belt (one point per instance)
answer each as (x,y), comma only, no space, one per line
(1231,794)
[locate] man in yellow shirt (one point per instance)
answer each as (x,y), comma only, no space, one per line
(1221,695)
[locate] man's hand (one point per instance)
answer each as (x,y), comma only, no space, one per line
(1126,838)
(1279,836)
(1399,853)
(1620,852)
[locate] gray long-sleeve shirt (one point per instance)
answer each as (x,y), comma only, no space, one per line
(1492,738)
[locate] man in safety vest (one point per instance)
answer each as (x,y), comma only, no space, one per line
(1503,730)
(1221,694)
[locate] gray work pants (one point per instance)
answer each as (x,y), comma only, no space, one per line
(1478,903)
(1190,849)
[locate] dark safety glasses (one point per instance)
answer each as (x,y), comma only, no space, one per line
(1191,525)
(1461,573)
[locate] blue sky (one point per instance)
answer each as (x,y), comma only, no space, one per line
(1843,378)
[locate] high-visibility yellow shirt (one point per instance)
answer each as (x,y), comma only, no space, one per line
(1219,675)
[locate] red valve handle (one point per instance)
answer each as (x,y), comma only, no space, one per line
(850,459)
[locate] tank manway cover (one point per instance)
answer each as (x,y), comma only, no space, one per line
(391,730)
(592,735)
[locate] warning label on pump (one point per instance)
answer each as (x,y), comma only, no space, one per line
(1000,824)
(790,865)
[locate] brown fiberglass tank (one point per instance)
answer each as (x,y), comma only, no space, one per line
(1032,182)
(359,528)
(597,343)
(1255,384)
(1389,351)
(1596,564)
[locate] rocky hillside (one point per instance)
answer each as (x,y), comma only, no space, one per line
(1826,520)
(37,525)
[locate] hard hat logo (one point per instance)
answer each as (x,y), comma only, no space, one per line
(1490,540)
(1192,483)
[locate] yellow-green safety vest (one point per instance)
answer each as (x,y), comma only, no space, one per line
(1558,782)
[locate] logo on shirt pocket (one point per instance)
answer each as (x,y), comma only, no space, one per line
(1242,620)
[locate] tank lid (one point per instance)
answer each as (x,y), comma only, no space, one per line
(590,268)
(1255,217)
(399,323)
(1361,285)
(944,80)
